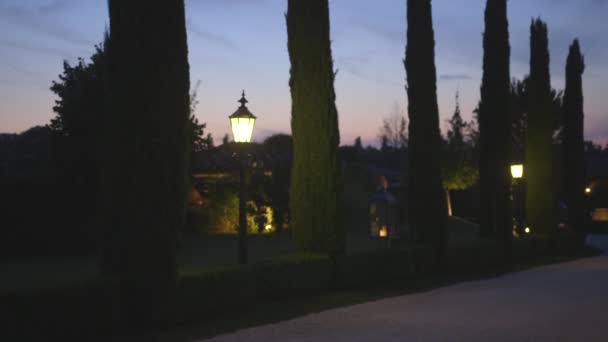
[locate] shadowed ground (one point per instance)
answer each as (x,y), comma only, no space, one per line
(562,302)
(195,252)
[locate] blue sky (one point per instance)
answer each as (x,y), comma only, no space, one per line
(242,44)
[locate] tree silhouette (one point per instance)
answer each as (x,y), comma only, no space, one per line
(148,148)
(519,107)
(495,127)
(573,147)
(314,123)
(459,171)
(427,212)
(456,131)
(358,145)
(199,141)
(225,139)
(77,136)
(393,132)
(540,200)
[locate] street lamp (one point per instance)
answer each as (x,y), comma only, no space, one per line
(242,122)
(517,172)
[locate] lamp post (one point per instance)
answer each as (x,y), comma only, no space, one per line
(242,122)
(517,172)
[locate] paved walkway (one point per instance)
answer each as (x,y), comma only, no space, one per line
(565,302)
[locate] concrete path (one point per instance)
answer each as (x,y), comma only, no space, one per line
(565,302)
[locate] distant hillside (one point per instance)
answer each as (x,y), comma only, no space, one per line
(7,136)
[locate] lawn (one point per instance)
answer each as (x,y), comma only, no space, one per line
(195,252)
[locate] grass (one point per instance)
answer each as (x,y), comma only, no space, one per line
(196,252)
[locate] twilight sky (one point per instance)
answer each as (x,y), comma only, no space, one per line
(242,44)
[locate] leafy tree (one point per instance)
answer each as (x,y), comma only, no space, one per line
(80,92)
(314,122)
(540,200)
(78,130)
(574,146)
(459,170)
(495,128)
(148,136)
(225,139)
(427,212)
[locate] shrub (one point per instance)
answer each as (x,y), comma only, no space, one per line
(474,256)
(221,214)
(383,265)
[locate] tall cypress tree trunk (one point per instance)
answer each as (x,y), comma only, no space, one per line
(314,123)
(427,212)
(540,200)
(148,150)
(112,183)
(574,148)
(495,127)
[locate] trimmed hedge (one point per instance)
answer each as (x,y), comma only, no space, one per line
(290,276)
(375,267)
(472,257)
(205,293)
(92,309)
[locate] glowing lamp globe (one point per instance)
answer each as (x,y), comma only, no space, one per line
(517,171)
(242,122)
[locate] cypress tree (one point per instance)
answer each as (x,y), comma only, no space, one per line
(427,209)
(314,123)
(112,157)
(540,199)
(573,145)
(495,126)
(148,149)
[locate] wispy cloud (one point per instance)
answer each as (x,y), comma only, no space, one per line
(357,66)
(389,33)
(212,37)
(34,48)
(455,77)
(55,6)
(36,21)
